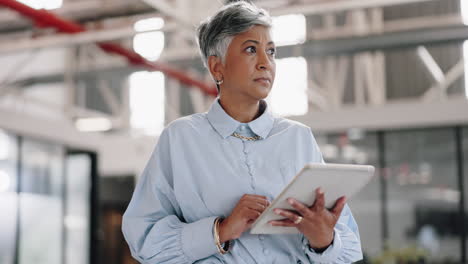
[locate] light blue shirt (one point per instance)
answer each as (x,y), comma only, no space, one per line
(199,171)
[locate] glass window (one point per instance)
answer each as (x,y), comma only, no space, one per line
(150,42)
(465,177)
(289,93)
(289,29)
(147,99)
(359,147)
(8,197)
(423,196)
(41,215)
(465,57)
(77,209)
(464,11)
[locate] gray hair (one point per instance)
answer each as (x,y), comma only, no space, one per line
(216,33)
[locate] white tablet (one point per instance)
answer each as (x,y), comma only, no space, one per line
(336,180)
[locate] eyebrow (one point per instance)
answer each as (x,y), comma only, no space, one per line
(256,42)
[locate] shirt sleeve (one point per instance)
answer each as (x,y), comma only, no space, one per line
(346,245)
(153,225)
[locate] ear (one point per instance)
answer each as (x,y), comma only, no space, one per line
(216,67)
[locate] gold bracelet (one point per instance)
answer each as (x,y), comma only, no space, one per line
(222,249)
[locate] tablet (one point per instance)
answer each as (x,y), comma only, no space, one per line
(336,180)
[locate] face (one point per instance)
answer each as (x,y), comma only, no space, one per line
(249,68)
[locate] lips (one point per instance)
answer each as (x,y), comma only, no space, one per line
(263,79)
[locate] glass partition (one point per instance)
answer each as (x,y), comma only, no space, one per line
(423,195)
(465,180)
(41,202)
(77,208)
(8,197)
(359,147)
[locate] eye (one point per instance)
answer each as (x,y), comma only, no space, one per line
(251,49)
(272,52)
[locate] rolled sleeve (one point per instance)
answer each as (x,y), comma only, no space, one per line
(329,255)
(197,239)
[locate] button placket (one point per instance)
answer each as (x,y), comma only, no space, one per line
(249,164)
(265,250)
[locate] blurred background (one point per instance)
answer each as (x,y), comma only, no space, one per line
(86,87)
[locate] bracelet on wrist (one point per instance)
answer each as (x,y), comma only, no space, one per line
(222,248)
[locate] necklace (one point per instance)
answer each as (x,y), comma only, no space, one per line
(237,135)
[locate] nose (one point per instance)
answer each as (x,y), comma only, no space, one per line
(264,61)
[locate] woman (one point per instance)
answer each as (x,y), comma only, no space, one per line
(212,174)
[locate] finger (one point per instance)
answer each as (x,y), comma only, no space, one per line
(319,203)
(255,196)
(300,208)
(251,214)
(286,213)
(339,205)
(264,203)
(255,206)
(285,222)
(263,200)
(260,205)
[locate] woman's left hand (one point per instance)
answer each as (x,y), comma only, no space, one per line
(318,222)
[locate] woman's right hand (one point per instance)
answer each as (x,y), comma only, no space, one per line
(247,210)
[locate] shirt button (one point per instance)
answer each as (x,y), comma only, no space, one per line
(266,251)
(242,128)
(261,237)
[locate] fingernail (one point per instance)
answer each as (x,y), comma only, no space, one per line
(276,211)
(319,190)
(290,201)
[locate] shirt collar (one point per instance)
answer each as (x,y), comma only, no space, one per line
(225,125)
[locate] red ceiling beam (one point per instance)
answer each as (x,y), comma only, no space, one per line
(44,18)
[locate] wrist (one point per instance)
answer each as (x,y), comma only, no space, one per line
(320,246)
(223,234)
(223,247)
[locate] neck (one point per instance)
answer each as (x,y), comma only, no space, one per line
(240,110)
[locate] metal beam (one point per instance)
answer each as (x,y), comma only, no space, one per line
(330,6)
(380,42)
(398,25)
(42,128)
(59,40)
(317,48)
(431,65)
(82,11)
(436,28)
(439,90)
(350,45)
(397,115)
(164,7)
(108,96)
(47,19)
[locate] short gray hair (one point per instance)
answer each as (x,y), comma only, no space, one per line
(216,33)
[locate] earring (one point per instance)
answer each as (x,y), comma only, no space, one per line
(219,82)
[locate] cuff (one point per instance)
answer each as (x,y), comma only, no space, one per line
(197,239)
(329,255)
